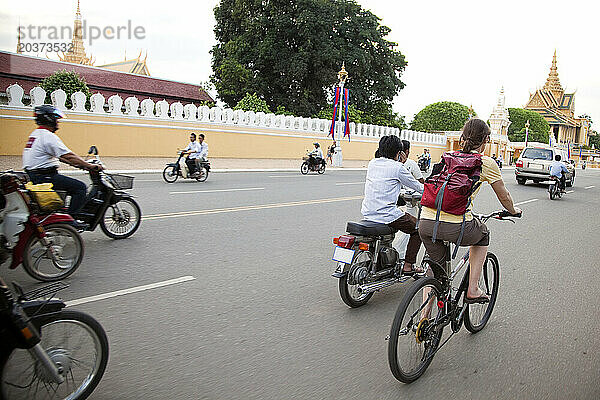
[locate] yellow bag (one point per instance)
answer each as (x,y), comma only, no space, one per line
(46,198)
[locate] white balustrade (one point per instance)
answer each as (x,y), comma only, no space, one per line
(260,118)
(189,112)
(162,109)
(15,95)
(131,106)
(115,103)
(204,113)
(177,110)
(228,116)
(250,118)
(78,100)
(59,98)
(217,113)
(97,103)
(38,96)
(147,108)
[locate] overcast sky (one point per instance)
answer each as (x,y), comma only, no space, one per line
(458,50)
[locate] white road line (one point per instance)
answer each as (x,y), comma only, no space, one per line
(248,208)
(589,187)
(149,180)
(350,183)
(287,176)
(526,201)
(570,191)
(128,291)
(218,190)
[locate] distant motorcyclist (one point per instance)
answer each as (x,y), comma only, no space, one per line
(317,154)
(44,150)
(425,160)
(558,170)
(193,151)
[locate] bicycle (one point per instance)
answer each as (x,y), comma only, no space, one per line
(432,303)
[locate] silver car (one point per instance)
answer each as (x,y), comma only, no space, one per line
(534,164)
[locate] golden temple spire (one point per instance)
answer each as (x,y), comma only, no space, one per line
(19,38)
(76,54)
(78,12)
(553,83)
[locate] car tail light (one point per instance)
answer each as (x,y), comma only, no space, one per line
(363,246)
(345,241)
(519,163)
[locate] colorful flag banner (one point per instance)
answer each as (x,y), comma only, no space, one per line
(580,149)
(335,109)
(346,116)
(569,150)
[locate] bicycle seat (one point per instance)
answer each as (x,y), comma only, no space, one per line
(368,228)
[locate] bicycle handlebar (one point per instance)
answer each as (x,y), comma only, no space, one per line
(502,215)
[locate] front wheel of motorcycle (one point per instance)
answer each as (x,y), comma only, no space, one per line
(304,168)
(350,295)
(122,219)
(58,258)
(170,174)
(78,346)
(203,175)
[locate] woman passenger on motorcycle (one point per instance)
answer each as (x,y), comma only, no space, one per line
(475,136)
(385,177)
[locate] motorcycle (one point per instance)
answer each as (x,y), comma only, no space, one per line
(366,260)
(423,163)
(554,190)
(312,163)
(48,246)
(107,205)
(180,168)
(46,351)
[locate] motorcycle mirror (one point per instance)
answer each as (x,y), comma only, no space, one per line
(93,150)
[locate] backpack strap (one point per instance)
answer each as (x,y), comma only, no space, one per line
(462,225)
(439,198)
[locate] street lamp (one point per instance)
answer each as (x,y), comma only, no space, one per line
(526,132)
(337,155)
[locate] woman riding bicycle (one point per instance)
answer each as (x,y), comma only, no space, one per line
(475,136)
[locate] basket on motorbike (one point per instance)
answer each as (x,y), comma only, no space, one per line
(42,195)
(120,182)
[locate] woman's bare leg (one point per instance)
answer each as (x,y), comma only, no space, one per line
(477,256)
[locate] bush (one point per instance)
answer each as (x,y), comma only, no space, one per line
(251,102)
(68,81)
(538,127)
(441,116)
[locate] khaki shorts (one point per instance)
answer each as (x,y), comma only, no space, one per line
(476,234)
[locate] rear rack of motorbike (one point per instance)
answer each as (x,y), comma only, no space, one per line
(45,291)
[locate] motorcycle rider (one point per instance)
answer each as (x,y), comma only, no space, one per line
(317,154)
(43,151)
(409,164)
(385,177)
(427,157)
(558,170)
(193,150)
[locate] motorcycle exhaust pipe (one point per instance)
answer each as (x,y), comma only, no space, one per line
(372,287)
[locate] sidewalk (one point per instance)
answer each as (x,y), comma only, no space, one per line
(147,164)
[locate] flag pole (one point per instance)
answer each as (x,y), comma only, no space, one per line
(337,156)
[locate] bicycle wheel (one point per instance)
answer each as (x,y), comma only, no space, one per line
(170,174)
(414,337)
(477,315)
(78,346)
(122,219)
(57,261)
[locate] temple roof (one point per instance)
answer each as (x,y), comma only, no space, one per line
(132,66)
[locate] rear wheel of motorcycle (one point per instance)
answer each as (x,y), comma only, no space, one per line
(122,219)
(203,175)
(521,181)
(170,174)
(321,169)
(60,259)
(571,181)
(304,168)
(72,339)
(350,295)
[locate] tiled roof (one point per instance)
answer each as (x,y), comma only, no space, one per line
(29,71)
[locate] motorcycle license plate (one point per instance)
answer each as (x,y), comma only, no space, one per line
(341,254)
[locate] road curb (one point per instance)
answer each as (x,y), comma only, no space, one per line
(224,170)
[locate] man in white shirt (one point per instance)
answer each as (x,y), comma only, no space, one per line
(317,154)
(409,164)
(44,150)
(385,177)
(192,150)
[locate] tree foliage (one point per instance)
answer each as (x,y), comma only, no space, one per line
(289,53)
(69,81)
(595,141)
(441,116)
(381,114)
(538,127)
(251,102)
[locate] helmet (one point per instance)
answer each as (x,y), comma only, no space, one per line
(47,115)
(317,144)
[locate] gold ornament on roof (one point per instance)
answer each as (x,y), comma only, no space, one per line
(342,74)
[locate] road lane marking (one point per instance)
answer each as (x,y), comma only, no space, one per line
(526,201)
(218,190)
(287,176)
(249,208)
(589,187)
(350,183)
(128,291)
(149,180)
(570,191)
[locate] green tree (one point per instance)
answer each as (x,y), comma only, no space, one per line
(289,53)
(251,102)
(595,140)
(354,114)
(69,81)
(538,127)
(441,116)
(282,111)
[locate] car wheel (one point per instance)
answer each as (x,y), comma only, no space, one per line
(521,181)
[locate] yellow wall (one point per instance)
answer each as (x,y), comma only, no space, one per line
(143,137)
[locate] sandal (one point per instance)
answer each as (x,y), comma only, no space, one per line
(484,298)
(414,270)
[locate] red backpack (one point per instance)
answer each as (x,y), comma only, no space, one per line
(450,189)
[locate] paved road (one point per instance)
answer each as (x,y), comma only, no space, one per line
(263,320)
